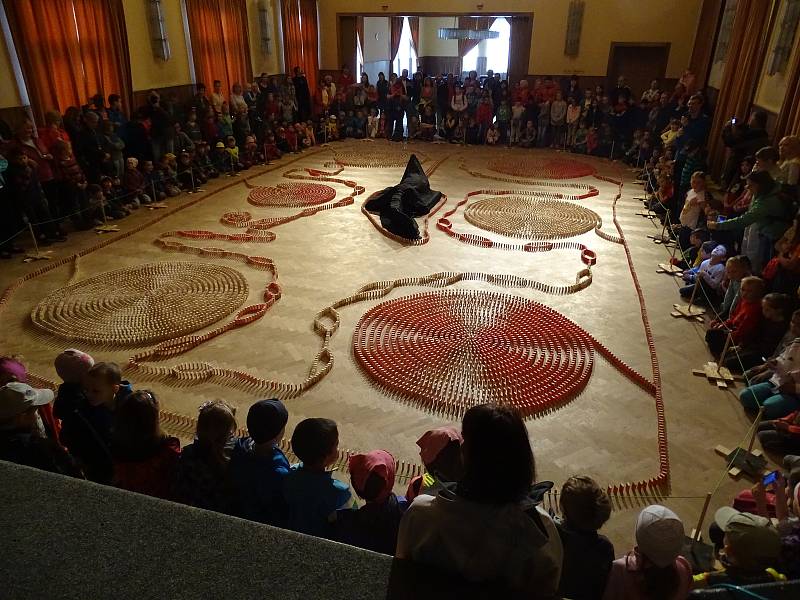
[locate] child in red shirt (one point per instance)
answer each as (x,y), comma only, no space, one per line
(744,320)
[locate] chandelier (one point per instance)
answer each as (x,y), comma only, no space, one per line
(453,33)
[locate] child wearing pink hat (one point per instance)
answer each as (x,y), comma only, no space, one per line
(440,451)
(655,564)
(374,526)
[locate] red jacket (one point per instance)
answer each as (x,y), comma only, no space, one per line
(484,114)
(793,420)
(744,322)
(152,476)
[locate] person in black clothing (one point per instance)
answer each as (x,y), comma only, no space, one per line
(90,148)
(743,139)
(162,131)
(86,411)
(587,554)
(22,440)
(382,87)
(302,93)
(622,89)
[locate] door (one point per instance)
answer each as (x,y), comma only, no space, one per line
(639,63)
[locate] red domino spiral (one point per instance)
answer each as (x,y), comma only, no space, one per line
(449,350)
(292,194)
(541,168)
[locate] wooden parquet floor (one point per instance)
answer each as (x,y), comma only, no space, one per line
(608,432)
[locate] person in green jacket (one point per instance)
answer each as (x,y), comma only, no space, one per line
(764,222)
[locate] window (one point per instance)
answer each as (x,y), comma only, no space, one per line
(725,30)
(783,45)
(406,55)
(490,55)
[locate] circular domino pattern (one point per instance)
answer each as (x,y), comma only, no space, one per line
(144,304)
(452,349)
(538,167)
(292,194)
(531,218)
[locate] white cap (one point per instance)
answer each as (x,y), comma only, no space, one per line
(16,398)
(659,535)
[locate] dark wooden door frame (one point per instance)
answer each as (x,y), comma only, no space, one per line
(615,45)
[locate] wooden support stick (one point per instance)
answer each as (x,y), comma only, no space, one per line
(759,416)
(698,531)
(694,293)
(725,349)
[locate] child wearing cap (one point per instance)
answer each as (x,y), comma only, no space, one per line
(655,567)
(145,458)
(12,369)
(258,466)
(710,274)
(21,440)
(751,550)
(440,451)
(374,526)
(203,477)
(587,554)
(311,492)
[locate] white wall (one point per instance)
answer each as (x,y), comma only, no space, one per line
(375,50)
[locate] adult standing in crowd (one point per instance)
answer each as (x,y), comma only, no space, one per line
(302,93)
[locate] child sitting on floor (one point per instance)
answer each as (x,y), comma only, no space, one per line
(133,181)
(707,278)
(655,564)
(774,324)
(145,459)
(587,555)
(744,320)
(752,548)
(312,494)
(259,467)
(736,269)
(203,475)
(375,525)
(440,451)
(774,385)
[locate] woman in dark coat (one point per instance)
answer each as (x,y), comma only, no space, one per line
(303,94)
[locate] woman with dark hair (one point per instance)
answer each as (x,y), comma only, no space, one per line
(765,221)
(484,528)
(654,569)
(145,458)
(382,87)
(302,93)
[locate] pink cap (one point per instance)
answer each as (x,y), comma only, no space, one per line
(434,441)
(71,365)
(379,462)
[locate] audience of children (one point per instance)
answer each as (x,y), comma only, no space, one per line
(475,512)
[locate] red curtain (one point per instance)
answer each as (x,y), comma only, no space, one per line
(300,44)
(66,61)
(413,24)
(396,31)
(292,36)
(310,20)
(220,42)
(747,50)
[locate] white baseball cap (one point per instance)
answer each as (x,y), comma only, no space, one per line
(16,398)
(659,535)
